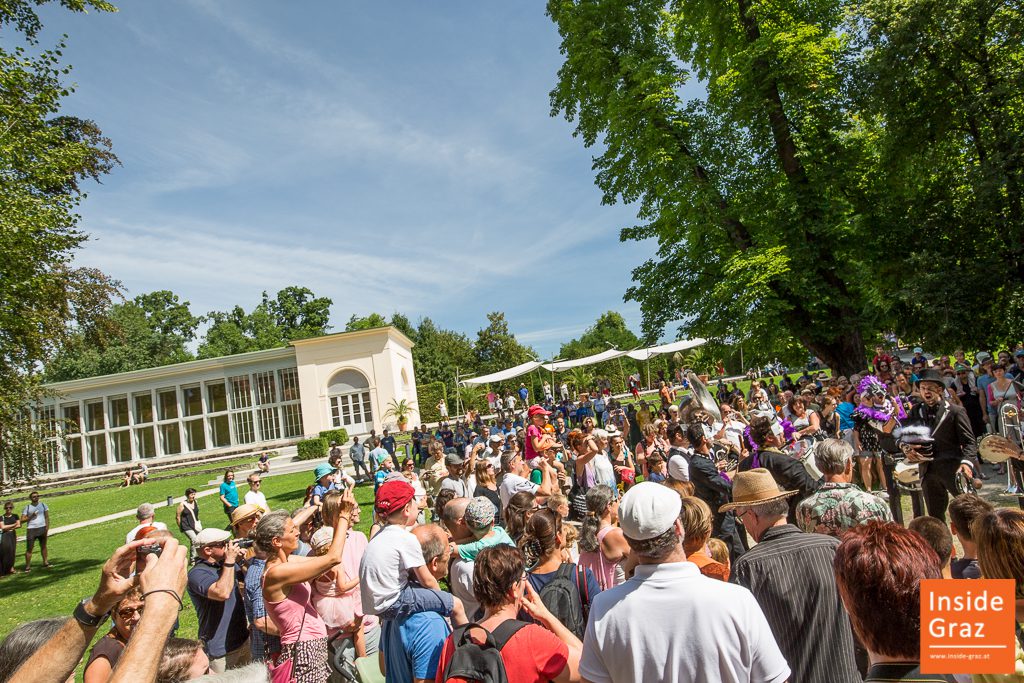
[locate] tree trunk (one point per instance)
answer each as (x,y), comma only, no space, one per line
(843,355)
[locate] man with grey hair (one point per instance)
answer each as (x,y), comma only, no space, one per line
(696,628)
(144,514)
(838,504)
(790,574)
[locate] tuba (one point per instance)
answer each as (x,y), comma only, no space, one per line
(1009,428)
(704,397)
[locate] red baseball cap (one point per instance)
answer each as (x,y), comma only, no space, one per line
(537,410)
(393,495)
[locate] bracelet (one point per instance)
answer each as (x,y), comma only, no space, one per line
(177,597)
(227,564)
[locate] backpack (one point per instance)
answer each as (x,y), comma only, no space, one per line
(480,662)
(566,598)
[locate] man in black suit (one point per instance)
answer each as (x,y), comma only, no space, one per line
(953,448)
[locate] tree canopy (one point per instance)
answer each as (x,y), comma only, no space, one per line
(755,140)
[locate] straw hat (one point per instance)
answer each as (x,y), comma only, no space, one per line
(244,512)
(754,487)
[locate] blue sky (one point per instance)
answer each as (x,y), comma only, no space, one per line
(390,155)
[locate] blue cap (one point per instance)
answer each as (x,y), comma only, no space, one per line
(323,470)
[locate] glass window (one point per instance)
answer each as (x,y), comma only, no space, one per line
(220,432)
(265,388)
(167,400)
(72,418)
(270,426)
(244,432)
(94,416)
(367,414)
(98,449)
(192,400)
(216,397)
(119,411)
(289,379)
(73,453)
(240,396)
(170,438)
(51,457)
(291,417)
(121,445)
(145,442)
(195,432)
(143,408)
(46,421)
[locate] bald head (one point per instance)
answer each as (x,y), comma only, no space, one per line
(434,543)
(452,515)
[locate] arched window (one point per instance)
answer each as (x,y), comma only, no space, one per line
(350,401)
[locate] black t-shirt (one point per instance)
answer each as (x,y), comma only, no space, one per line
(965,568)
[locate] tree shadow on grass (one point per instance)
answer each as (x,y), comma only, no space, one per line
(40,576)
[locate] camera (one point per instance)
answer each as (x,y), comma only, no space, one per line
(142,551)
(244,542)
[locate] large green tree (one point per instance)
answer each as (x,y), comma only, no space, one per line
(294,313)
(941,86)
(496,348)
(809,169)
(150,330)
(45,155)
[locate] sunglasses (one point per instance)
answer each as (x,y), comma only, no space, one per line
(129,612)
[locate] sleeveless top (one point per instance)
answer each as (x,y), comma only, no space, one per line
(607,573)
(289,613)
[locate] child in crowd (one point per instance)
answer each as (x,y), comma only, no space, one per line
(392,554)
(720,553)
(963,510)
(383,470)
(937,535)
(656,468)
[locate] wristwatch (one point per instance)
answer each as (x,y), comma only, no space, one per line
(87,619)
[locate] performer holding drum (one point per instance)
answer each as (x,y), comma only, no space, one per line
(953,449)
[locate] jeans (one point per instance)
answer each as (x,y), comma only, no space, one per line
(414,599)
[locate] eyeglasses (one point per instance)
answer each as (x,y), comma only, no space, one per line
(128,612)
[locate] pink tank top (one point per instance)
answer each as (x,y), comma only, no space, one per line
(288,615)
(607,573)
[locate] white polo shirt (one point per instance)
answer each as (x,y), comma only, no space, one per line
(694,629)
(511,484)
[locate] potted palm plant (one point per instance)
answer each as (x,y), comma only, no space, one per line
(400,410)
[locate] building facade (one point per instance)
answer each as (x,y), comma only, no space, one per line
(274,397)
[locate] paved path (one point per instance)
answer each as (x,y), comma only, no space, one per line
(280,465)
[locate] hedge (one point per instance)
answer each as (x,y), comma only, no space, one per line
(339,435)
(312,449)
(428,396)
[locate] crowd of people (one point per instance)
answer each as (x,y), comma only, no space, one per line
(711,536)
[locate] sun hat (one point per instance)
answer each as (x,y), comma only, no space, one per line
(322,537)
(753,487)
(393,495)
(496,438)
(210,537)
(479,513)
(537,410)
(982,356)
(918,349)
(1018,353)
(244,512)
(648,510)
(322,471)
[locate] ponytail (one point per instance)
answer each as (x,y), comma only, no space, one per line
(599,497)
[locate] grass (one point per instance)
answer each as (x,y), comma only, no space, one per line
(78,555)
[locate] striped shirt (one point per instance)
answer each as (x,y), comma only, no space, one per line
(790,574)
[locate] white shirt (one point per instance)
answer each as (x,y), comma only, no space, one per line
(257,498)
(695,629)
(131,534)
(461,580)
(39,521)
(384,569)
(511,484)
(678,466)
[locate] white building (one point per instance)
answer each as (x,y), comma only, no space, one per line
(272,397)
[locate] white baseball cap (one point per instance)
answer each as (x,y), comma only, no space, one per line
(648,510)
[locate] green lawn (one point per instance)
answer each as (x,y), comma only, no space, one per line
(78,555)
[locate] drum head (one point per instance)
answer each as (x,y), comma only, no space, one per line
(995,449)
(907,473)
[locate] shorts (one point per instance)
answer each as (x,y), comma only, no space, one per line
(867,455)
(36,534)
(414,599)
(535,462)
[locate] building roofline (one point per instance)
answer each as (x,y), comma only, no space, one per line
(217,362)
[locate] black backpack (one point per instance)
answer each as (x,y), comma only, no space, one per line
(566,598)
(480,662)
